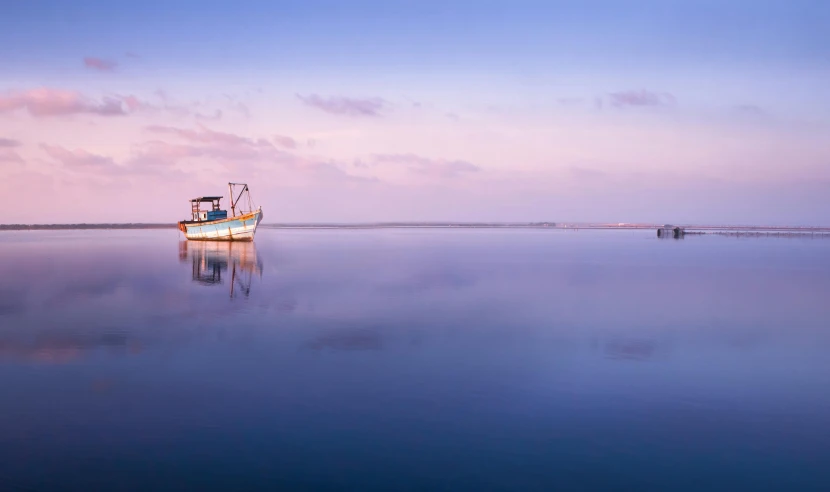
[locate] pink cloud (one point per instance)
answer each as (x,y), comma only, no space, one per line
(222,145)
(207,136)
(133,103)
(217,115)
(157,151)
(284,141)
(432,167)
(345,105)
(154,159)
(8,143)
(45,102)
(56,102)
(237,154)
(641,98)
(10,156)
(99,64)
(324,170)
(205,142)
(180,109)
(79,159)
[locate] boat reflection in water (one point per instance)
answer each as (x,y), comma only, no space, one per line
(215,262)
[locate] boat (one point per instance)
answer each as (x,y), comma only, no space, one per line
(216,225)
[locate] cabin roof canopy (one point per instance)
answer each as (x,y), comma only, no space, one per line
(206,199)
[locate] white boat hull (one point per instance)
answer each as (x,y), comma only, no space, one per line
(239,228)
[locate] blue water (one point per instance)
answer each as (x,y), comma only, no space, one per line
(414,360)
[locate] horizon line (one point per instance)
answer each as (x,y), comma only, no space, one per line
(426,224)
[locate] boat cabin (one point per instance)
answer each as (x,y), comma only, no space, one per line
(214,213)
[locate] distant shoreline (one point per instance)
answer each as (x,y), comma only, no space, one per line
(59,227)
(431,225)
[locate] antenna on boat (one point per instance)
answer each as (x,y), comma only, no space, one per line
(235,202)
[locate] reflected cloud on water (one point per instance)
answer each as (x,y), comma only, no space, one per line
(630,349)
(509,290)
(115,298)
(61,347)
(350,339)
(382,346)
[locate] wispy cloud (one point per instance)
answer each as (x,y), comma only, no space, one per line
(243,109)
(147,159)
(155,152)
(345,105)
(9,156)
(79,159)
(8,143)
(207,136)
(99,64)
(190,149)
(133,104)
(570,101)
(226,148)
(640,98)
(231,150)
(283,141)
(56,102)
(749,110)
(216,116)
(168,105)
(432,167)
(159,151)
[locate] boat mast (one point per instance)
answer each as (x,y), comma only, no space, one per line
(233,205)
(235,202)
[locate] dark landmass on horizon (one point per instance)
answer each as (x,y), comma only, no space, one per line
(57,227)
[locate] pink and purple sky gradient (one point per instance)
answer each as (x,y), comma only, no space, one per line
(334,111)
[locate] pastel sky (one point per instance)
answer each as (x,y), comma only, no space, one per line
(356,111)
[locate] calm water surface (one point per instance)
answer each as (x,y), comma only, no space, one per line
(413,360)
